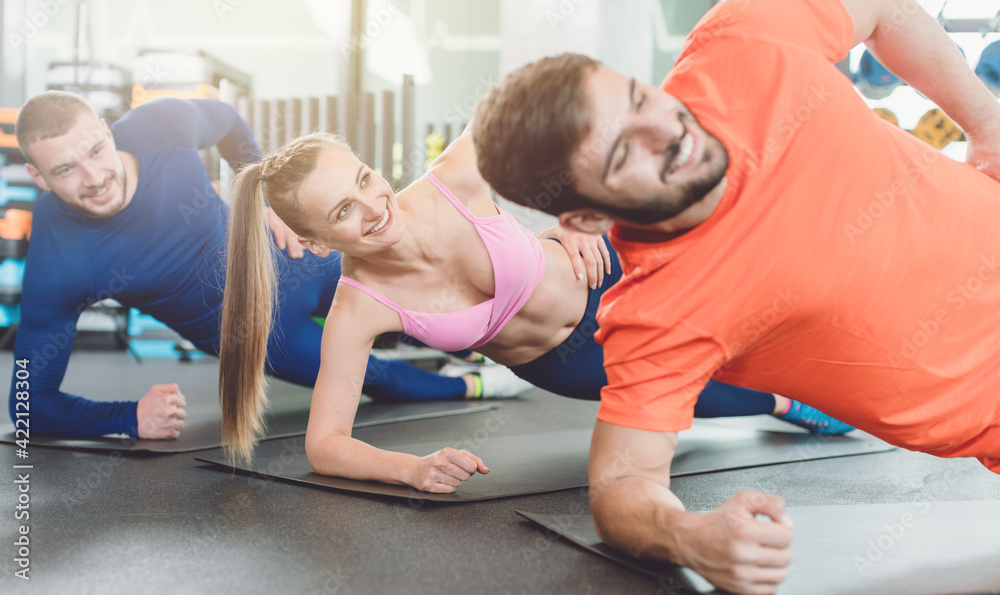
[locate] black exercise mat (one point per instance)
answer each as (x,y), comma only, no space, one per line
(557,460)
(936,548)
(721,444)
(579,529)
(89,374)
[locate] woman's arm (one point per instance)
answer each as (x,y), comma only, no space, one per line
(351,326)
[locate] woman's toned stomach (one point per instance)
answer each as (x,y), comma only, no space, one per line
(551,313)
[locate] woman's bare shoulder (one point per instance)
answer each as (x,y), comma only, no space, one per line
(358,310)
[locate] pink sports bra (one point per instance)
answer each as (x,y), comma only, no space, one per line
(518,267)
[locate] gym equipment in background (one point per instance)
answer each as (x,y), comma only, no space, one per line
(106,87)
(887,114)
(8,116)
(435,145)
(401,154)
(15,231)
(937,130)
(874,80)
(148,337)
(988,68)
(179,73)
(17,199)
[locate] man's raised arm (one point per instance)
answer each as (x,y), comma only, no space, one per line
(192,124)
(199,124)
(914,46)
(220,124)
(634,510)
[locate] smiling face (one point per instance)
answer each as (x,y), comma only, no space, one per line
(82,168)
(349,207)
(646,158)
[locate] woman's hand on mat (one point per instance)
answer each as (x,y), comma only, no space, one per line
(588,253)
(161,412)
(735,551)
(443,471)
(283,235)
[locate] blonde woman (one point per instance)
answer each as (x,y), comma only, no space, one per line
(438,261)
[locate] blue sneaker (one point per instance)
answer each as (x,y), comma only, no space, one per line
(814,420)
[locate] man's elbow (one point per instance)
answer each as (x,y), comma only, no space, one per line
(632,514)
(619,506)
(624,532)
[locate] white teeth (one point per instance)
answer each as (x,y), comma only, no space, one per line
(381,223)
(685,151)
(102,190)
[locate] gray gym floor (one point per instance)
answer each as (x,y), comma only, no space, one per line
(134,523)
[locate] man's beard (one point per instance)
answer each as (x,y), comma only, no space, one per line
(124,189)
(678,198)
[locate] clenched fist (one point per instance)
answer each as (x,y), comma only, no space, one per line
(161,412)
(737,552)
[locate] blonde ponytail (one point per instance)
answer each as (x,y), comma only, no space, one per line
(247,313)
(248,305)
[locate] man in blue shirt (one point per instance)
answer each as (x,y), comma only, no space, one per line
(129,213)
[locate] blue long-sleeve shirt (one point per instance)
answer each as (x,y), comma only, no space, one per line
(162,253)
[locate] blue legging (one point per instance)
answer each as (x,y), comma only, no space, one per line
(306,289)
(575,368)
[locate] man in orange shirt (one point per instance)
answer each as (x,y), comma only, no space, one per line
(776,234)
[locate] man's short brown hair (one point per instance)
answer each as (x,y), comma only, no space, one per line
(48,115)
(527,128)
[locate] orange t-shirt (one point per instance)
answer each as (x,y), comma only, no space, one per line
(849,265)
